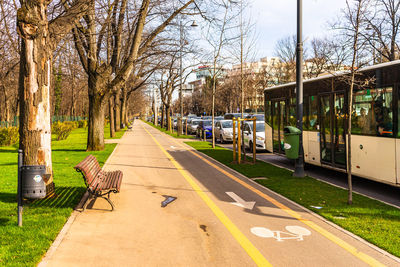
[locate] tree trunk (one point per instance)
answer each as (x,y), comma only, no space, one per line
(124,117)
(162,116)
(167,111)
(117,111)
(95,141)
(73,98)
(34,86)
(112,121)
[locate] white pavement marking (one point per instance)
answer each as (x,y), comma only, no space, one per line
(240,202)
(295,232)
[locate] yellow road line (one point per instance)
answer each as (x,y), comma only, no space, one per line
(251,250)
(362,256)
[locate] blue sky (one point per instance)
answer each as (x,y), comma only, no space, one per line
(276,19)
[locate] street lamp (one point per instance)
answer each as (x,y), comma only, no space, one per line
(299,163)
(370,28)
(181,25)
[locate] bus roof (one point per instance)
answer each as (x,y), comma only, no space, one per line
(339,73)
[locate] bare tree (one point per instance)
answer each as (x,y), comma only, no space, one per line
(380,28)
(39,38)
(350,27)
(9,59)
(107,75)
(218,35)
(285,49)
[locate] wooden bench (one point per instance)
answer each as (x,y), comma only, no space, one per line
(99,183)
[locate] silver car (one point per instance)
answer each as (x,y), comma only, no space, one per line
(224,131)
(192,127)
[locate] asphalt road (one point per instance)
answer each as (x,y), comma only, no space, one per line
(380,191)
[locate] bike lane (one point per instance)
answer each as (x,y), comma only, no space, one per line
(283,232)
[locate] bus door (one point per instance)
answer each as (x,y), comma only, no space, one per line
(279,120)
(333,129)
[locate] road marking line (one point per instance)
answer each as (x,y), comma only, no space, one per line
(362,256)
(240,202)
(251,250)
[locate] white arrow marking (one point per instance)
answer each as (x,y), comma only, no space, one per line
(240,202)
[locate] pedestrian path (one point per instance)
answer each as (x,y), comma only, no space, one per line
(212,216)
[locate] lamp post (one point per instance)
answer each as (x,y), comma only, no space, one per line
(181,25)
(369,28)
(299,163)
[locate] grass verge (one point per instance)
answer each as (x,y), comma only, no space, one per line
(118,134)
(372,220)
(173,134)
(42,219)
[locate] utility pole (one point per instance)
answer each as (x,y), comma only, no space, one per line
(155,107)
(299,163)
(241,60)
(180,120)
(181,25)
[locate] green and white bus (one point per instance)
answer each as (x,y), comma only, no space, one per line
(375,145)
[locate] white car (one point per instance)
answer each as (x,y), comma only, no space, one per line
(224,131)
(192,127)
(260,135)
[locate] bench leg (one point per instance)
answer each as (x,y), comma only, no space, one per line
(109,201)
(87,202)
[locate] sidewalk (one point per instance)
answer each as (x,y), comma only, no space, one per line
(201,227)
(140,232)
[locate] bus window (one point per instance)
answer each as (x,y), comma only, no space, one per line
(306,113)
(292,112)
(373,112)
(313,115)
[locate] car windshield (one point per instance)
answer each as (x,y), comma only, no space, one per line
(260,127)
(207,123)
(195,122)
(227,124)
(260,117)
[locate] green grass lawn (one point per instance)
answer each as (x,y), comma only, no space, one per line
(42,219)
(118,134)
(173,134)
(370,219)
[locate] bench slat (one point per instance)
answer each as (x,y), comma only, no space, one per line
(98,181)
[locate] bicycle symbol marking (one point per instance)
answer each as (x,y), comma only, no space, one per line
(293,232)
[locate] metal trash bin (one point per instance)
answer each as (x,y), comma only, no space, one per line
(32,183)
(291,141)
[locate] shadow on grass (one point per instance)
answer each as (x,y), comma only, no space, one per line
(64,197)
(69,150)
(8,197)
(10,164)
(8,150)
(4,221)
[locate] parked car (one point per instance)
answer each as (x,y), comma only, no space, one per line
(192,126)
(260,117)
(218,118)
(224,131)
(229,116)
(205,126)
(248,135)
